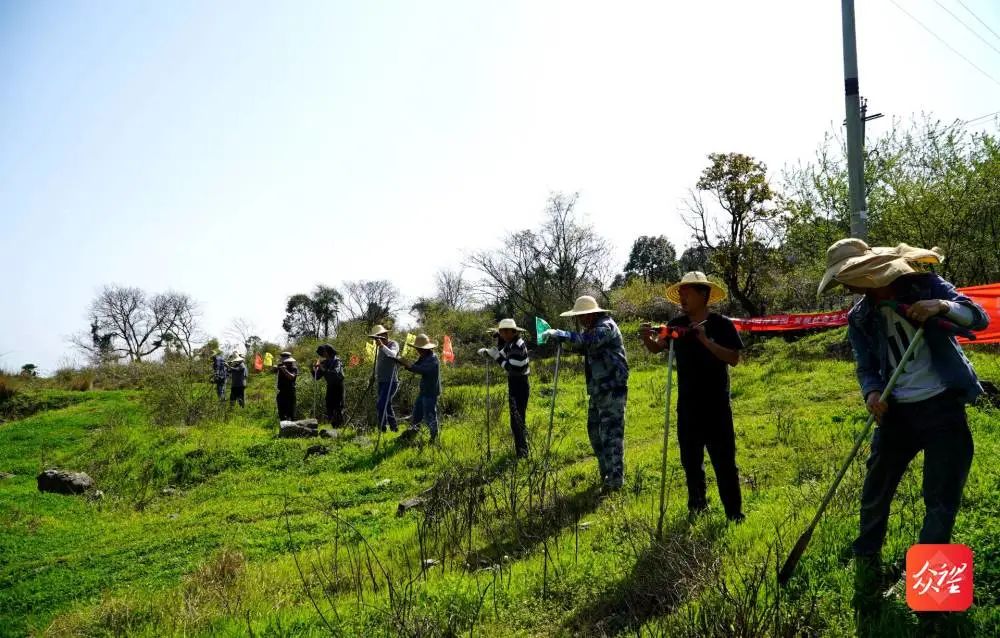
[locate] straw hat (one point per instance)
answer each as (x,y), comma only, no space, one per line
(507,324)
(378,331)
(235,358)
(854,263)
(585,305)
(696,278)
(423,342)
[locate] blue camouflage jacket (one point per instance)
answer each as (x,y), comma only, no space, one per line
(867,334)
(429,369)
(603,349)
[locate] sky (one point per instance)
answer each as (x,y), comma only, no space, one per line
(241,152)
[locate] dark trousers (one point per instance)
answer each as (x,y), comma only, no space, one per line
(708,425)
(236,395)
(335,403)
(936,426)
(220,389)
(286,405)
(425,410)
(383,406)
(517,397)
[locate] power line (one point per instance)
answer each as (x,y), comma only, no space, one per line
(973,13)
(968,28)
(981,117)
(945,42)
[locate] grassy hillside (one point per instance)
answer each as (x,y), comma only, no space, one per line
(219,528)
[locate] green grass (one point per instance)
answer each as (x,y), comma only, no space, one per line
(252,536)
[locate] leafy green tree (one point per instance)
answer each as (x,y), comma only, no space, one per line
(654,259)
(312,315)
(739,231)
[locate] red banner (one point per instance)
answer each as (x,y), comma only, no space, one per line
(782,323)
(987,296)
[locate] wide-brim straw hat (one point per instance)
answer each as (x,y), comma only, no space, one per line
(854,263)
(378,331)
(423,342)
(507,324)
(717,293)
(235,358)
(585,305)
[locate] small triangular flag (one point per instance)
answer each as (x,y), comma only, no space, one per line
(541,326)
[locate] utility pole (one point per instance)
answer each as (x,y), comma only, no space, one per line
(855,141)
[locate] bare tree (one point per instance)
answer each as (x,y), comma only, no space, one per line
(181,315)
(370,301)
(538,273)
(243,331)
(452,289)
(125,322)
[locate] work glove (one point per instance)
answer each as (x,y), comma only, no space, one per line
(493,353)
(552,333)
(483,352)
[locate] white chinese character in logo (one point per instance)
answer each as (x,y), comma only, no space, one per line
(954,578)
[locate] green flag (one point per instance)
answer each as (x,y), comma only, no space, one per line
(540,326)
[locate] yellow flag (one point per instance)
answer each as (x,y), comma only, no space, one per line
(370,351)
(408,348)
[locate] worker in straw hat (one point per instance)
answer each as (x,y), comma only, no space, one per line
(287,372)
(238,374)
(429,369)
(926,409)
(511,354)
(386,376)
(606,369)
(706,348)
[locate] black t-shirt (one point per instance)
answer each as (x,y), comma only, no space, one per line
(701,375)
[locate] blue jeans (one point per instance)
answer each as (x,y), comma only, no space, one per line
(386,390)
(425,408)
(938,427)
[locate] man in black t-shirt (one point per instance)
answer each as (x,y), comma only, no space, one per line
(706,344)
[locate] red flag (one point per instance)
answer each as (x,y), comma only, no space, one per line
(354,362)
(258,363)
(988,297)
(447,354)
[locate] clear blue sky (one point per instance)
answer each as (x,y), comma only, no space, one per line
(245,151)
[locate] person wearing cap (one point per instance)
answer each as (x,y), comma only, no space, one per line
(429,369)
(219,374)
(926,409)
(386,375)
(606,370)
(238,373)
(287,372)
(330,368)
(511,354)
(709,346)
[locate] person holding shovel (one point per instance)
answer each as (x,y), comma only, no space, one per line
(706,345)
(331,369)
(386,376)
(925,410)
(511,354)
(606,371)
(429,369)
